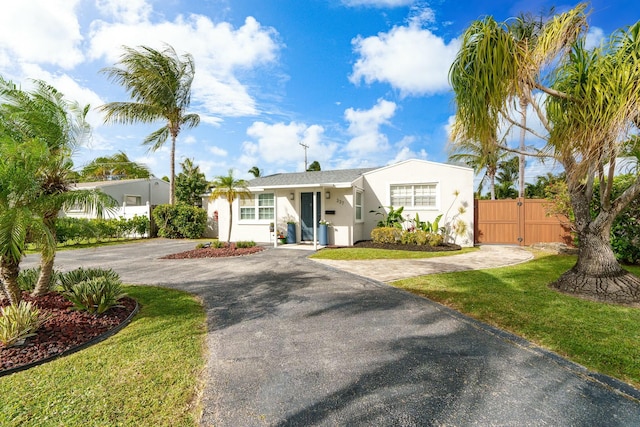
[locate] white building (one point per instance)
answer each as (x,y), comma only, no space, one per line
(345,198)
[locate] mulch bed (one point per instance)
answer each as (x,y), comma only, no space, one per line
(226,251)
(399,247)
(65,329)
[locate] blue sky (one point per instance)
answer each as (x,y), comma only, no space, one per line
(361,82)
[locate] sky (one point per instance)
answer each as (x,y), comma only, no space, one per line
(362,83)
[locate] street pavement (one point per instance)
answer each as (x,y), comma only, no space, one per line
(293,342)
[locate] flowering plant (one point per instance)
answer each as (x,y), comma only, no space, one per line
(324,222)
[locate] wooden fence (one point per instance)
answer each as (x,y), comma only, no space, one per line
(518,221)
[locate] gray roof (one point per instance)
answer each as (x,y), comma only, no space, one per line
(318,178)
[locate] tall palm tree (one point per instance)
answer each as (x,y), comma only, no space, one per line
(255,171)
(231,189)
(20,208)
(159,84)
(44,115)
(588,112)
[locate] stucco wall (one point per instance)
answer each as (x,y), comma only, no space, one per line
(449,180)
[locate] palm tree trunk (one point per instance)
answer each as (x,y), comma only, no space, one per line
(9,271)
(492,186)
(172,178)
(597,275)
(230,221)
(46,265)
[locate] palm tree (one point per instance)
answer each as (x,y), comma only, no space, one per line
(20,208)
(159,84)
(191,184)
(506,178)
(116,166)
(589,112)
(255,171)
(44,115)
(231,189)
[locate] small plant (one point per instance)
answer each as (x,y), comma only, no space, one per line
(95,295)
(18,322)
(218,244)
(426,226)
(70,279)
(28,278)
(392,219)
(245,244)
(386,235)
(324,222)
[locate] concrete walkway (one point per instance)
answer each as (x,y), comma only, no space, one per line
(388,270)
(294,343)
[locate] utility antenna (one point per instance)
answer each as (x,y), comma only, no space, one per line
(305,155)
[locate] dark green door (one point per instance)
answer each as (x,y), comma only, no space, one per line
(306,214)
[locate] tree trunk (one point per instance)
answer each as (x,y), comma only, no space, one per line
(597,275)
(492,186)
(172,177)
(523,132)
(46,265)
(9,271)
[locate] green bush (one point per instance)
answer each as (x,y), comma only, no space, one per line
(180,221)
(218,244)
(434,239)
(95,295)
(245,244)
(18,322)
(71,278)
(28,278)
(82,229)
(386,235)
(419,237)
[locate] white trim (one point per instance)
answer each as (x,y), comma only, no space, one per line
(413,184)
(417,160)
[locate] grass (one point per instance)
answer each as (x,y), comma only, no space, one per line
(145,375)
(348,254)
(602,337)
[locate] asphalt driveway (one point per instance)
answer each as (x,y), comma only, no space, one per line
(293,342)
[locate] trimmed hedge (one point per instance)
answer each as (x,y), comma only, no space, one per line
(81,229)
(396,235)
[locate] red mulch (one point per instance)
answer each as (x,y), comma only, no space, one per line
(227,251)
(65,329)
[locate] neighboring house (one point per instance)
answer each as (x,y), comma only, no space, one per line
(134,196)
(346,198)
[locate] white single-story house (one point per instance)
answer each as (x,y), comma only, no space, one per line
(345,198)
(134,196)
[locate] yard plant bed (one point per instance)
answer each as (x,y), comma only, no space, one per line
(64,330)
(445,247)
(226,251)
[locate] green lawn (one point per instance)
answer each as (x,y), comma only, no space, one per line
(148,374)
(370,253)
(602,337)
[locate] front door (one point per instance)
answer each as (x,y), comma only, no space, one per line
(306,214)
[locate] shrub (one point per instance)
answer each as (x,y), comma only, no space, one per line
(417,237)
(18,322)
(71,278)
(28,278)
(386,235)
(95,295)
(218,244)
(434,239)
(245,244)
(180,221)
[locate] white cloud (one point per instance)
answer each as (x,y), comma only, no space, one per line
(221,52)
(364,127)
(409,58)
(595,37)
(189,140)
(128,11)
(217,151)
(279,143)
(406,153)
(40,31)
(377,3)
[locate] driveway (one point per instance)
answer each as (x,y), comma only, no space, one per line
(293,342)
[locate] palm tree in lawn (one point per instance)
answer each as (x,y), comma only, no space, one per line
(159,84)
(20,208)
(231,189)
(587,103)
(44,115)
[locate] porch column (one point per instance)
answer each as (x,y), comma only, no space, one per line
(275,218)
(315,220)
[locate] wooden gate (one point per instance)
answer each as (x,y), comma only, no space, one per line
(519,222)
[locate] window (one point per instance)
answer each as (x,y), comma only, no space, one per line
(414,195)
(261,207)
(131,200)
(358,205)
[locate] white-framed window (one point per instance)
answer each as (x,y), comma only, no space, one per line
(414,195)
(257,207)
(358,205)
(132,200)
